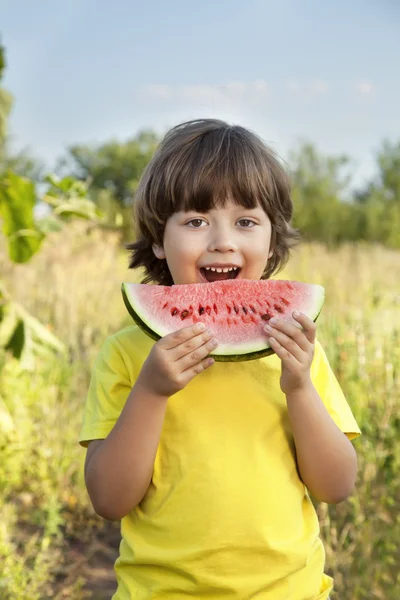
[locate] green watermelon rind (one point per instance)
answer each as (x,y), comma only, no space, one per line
(136,317)
(268,351)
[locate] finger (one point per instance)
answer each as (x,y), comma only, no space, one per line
(197,355)
(281,352)
(191,345)
(290,348)
(291,331)
(308,325)
(198,368)
(172,340)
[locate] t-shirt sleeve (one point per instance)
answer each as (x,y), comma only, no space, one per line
(110,385)
(331,394)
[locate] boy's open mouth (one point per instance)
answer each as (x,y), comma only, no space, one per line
(211,274)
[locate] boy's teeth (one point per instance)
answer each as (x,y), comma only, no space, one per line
(219,270)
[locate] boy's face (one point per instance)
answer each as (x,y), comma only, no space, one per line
(226,237)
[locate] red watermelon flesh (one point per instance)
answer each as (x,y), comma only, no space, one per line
(235,310)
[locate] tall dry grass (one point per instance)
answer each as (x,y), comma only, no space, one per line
(360,330)
(73,285)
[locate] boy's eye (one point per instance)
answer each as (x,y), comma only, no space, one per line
(196,223)
(246,223)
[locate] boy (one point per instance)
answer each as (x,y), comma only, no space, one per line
(209,465)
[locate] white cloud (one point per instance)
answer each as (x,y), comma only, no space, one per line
(202,93)
(307,89)
(365,88)
(246,95)
(261,87)
(319,86)
(229,92)
(293,86)
(159,92)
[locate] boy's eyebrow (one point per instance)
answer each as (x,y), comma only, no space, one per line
(246,209)
(242,209)
(237,208)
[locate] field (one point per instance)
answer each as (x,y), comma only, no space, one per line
(51,543)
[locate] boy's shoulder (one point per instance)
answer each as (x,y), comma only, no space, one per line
(129,342)
(124,335)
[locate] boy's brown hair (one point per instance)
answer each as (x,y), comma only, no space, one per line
(198,165)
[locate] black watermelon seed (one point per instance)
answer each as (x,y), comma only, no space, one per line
(174,311)
(252,308)
(266,317)
(202,310)
(215,309)
(184,314)
(235,308)
(244,309)
(278,308)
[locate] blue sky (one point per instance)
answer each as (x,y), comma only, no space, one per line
(90,70)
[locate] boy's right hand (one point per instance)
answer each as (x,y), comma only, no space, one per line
(176,359)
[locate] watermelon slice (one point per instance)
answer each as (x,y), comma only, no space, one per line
(235,310)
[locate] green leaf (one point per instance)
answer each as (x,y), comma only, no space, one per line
(39,331)
(24,336)
(6,101)
(68,186)
(79,207)
(17,341)
(52,179)
(49,224)
(8,323)
(17,201)
(2,61)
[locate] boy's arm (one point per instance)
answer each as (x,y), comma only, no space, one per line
(326,458)
(118,470)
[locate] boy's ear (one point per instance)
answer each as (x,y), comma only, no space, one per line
(158,251)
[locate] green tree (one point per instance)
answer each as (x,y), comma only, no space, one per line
(113,170)
(21,163)
(20,333)
(320,189)
(380,199)
(114,166)
(5,100)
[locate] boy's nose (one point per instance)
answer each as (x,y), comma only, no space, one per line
(222,242)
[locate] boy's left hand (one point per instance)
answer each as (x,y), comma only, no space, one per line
(295,348)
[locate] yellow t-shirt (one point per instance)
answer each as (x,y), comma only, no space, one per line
(226,515)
